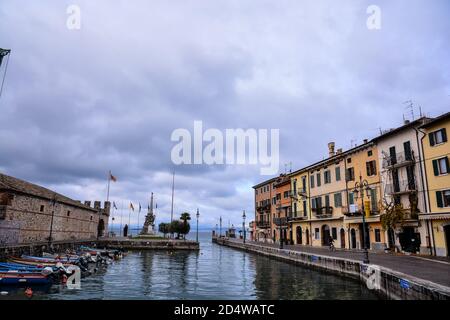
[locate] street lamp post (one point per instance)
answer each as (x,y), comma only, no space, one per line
(220,228)
(198,215)
(363,185)
(243,224)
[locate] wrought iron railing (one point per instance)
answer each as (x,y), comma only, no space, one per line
(399,159)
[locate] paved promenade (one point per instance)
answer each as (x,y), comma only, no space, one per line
(432,269)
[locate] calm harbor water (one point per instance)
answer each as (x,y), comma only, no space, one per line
(215,272)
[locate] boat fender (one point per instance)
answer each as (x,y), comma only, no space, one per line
(47,271)
(29,292)
(4,293)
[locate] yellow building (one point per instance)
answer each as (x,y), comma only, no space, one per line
(324,206)
(362,164)
(435,224)
(300,225)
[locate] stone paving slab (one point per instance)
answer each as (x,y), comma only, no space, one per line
(432,269)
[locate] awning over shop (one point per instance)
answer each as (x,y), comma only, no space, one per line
(435,216)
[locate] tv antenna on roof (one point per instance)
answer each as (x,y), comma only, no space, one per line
(410,105)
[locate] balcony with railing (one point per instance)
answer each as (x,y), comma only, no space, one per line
(323,212)
(263,224)
(400,159)
(299,216)
(402,187)
(264,207)
(282,221)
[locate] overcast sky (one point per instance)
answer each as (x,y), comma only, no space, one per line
(78,103)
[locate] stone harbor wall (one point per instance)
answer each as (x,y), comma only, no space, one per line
(28,219)
(387,282)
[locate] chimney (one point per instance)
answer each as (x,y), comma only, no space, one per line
(407,121)
(97,205)
(87,203)
(365,141)
(339,151)
(331,149)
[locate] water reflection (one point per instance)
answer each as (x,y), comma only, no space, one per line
(215,272)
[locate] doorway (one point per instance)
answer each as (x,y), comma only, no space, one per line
(447,238)
(307,236)
(342,238)
(325,235)
(391,238)
(409,240)
(353,238)
(299,235)
(100,228)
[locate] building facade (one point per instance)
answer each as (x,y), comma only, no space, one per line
(435,223)
(402,185)
(404,198)
(30,213)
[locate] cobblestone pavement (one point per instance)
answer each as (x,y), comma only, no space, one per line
(429,268)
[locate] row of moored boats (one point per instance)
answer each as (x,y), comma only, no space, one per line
(53,268)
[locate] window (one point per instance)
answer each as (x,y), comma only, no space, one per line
(304,208)
(441,166)
(91,218)
(438,137)
(351,198)
(295,209)
(371,168)
(316,234)
(42,208)
(303,184)
(295,186)
(319,182)
(407,149)
(443,198)
(274,200)
(327,200)
(350,174)
(68,213)
(369,153)
(327,176)
(312,182)
(334,233)
(373,199)
(338,200)
(349,160)
(256,191)
(377,235)
(278,196)
(286,194)
(338,173)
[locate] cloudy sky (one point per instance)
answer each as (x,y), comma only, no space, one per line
(77,103)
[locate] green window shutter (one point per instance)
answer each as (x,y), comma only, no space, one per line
(338,174)
(444,135)
(447,165)
(350,198)
(373,199)
(435,167)
(440,204)
(431,136)
(327,201)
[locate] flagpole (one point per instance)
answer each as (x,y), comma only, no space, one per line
(121,220)
(173,191)
(109,182)
(139,213)
(129,219)
(112,224)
